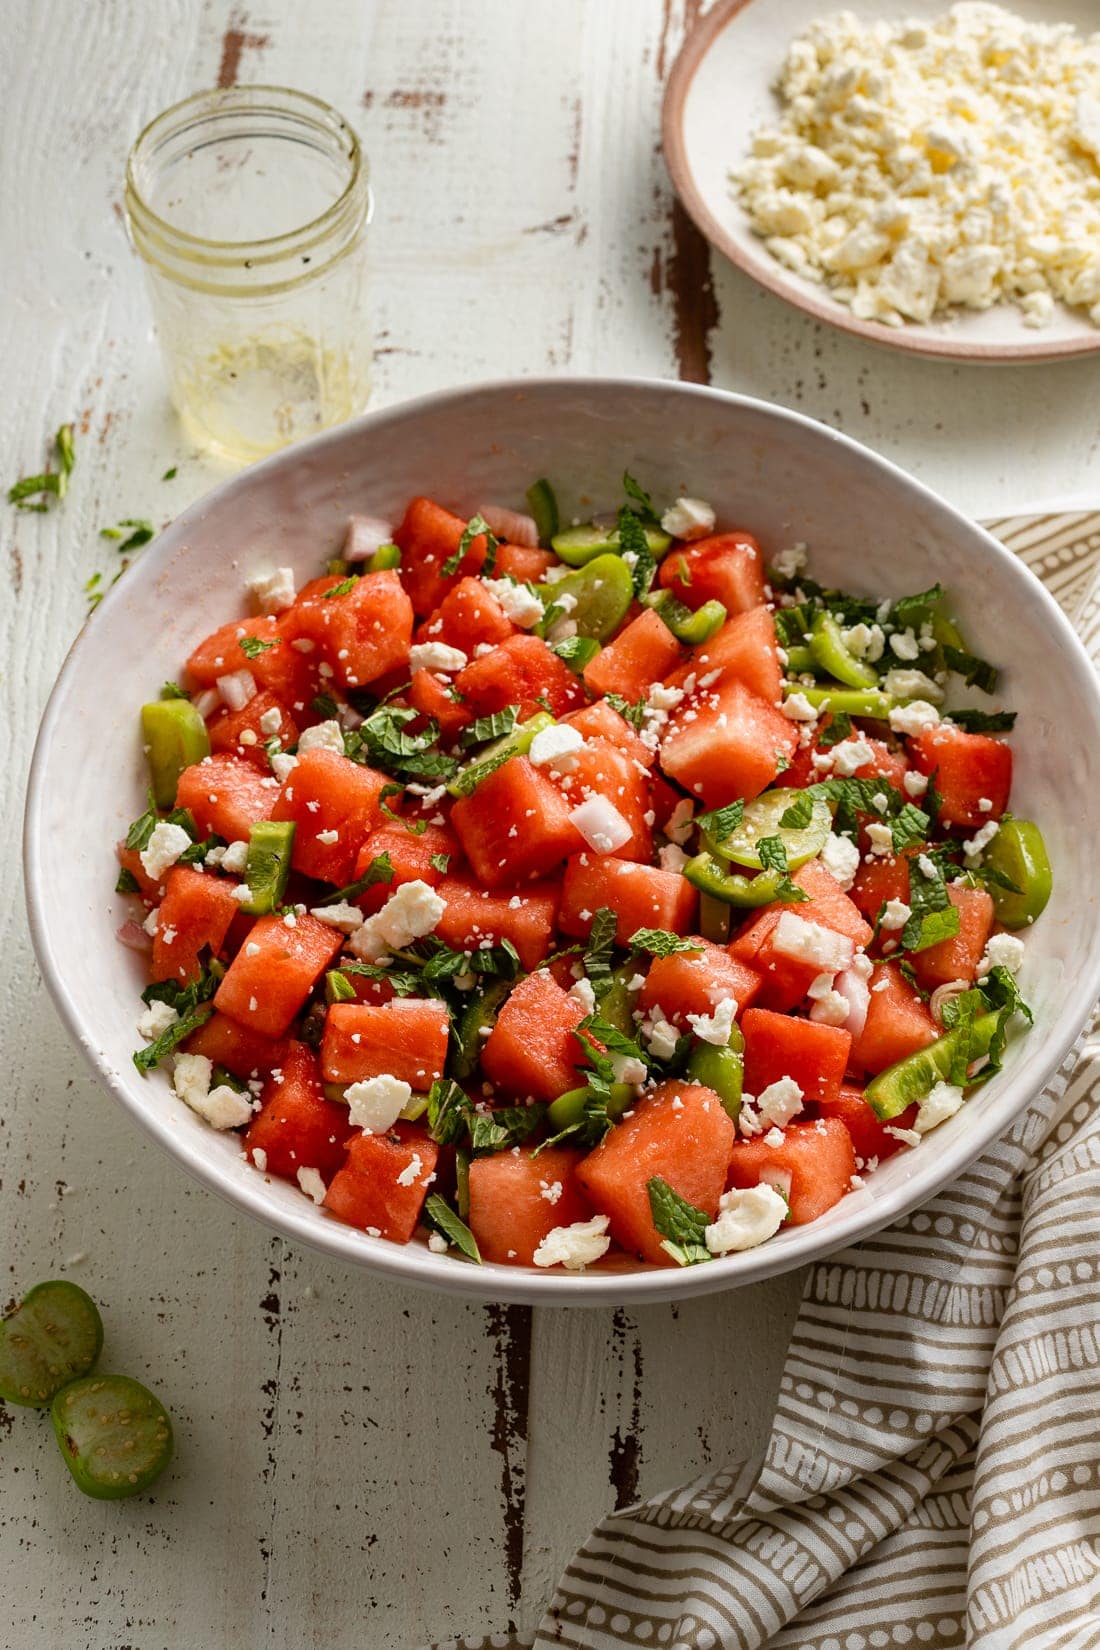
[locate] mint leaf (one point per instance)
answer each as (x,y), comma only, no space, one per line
(798,815)
(773,857)
(632,541)
(910,612)
(910,826)
(504,1128)
(147,1059)
(380,869)
(597,952)
(982,721)
(344,588)
(340,988)
(658,942)
(839,727)
(253,646)
(441,1218)
(475,528)
(679,1222)
(489,727)
(932,917)
(633,713)
(440,862)
(449,1112)
(127,882)
(974,671)
(721,823)
(641,498)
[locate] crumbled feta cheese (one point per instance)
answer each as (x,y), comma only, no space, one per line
(437,1243)
(375,1104)
(915,783)
(237,688)
(551,1190)
(340,915)
(1002,951)
(582,992)
(282,766)
(689,518)
(895,915)
(273,592)
(412,1169)
(164,847)
(679,825)
(745,1218)
(259,1157)
(311,1183)
(411,912)
(715,1028)
(880,838)
(942,1102)
(914,718)
(908,1137)
(810,942)
(840,857)
(664,698)
(271,721)
(865,641)
(576,1246)
(328,839)
(222,1107)
(151,921)
(327,736)
(521,605)
(829,1007)
(981,839)
(626,1068)
(436,656)
(601,825)
(660,1036)
(912,684)
(905,645)
(789,563)
(797,708)
(235,858)
(556,747)
(672,858)
(779,1102)
(156,1020)
(850,755)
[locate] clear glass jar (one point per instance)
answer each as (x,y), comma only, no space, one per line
(250,208)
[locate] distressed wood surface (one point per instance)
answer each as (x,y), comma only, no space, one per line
(356,1466)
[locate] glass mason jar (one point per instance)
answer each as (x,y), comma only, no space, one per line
(249,208)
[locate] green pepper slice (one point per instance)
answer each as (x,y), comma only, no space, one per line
(270,843)
(850,701)
(175,737)
(705,873)
(385,557)
(836,659)
(543,506)
(578,545)
(761,819)
(516,743)
(616,1005)
(568,1108)
(467,1042)
(901,1085)
(690,628)
(1019,853)
(714,919)
(720,1069)
(800,661)
(602,590)
(462,1184)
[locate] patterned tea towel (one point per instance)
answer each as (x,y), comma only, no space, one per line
(933,1473)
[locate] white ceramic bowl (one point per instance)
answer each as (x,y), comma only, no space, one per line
(870,527)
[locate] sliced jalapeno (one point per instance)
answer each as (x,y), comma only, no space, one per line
(176,738)
(568,1108)
(384,558)
(800,661)
(1019,853)
(270,844)
(720,1069)
(710,877)
(850,701)
(832,653)
(901,1085)
(543,506)
(516,743)
(691,628)
(578,545)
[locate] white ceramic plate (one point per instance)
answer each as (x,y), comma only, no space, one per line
(870,528)
(720,91)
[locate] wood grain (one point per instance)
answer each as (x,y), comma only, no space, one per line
(358,1466)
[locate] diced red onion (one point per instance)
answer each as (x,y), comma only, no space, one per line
(943,994)
(134,937)
(237,688)
(510,526)
(856,992)
(779,1180)
(207,702)
(365,535)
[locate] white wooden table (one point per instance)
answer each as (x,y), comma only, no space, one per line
(357,1467)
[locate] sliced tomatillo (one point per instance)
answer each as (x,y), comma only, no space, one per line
(53,1335)
(114,1434)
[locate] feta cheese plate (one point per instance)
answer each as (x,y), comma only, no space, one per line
(724,89)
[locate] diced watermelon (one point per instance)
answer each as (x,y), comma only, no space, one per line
(726,742)
(970,768)
(194,917)
(430,694)
(695,982)
(130,860)
(364,633)
(226,796)
(517,1199)
(813,1166)
(785,980)
(384,1181)
(243,1052)
(531,1052)
(601,769)
(515,826)
(678,1132)
(240,731)
(329,793)
(642,653)
(870,1136)
(428,536)
(778,1045)
(296,1127)
(884,763)
(640,895)
(523,672)
(898,1022)
(522,562)
(410,855)
(727,568)
(599,721)
(958,957)
(880,878)
(745,647)
(404,1038)
(220,653)
(269,979)
(468,617)
(526,917)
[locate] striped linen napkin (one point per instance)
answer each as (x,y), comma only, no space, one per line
(933,1473)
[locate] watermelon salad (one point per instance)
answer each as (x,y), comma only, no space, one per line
(556,893)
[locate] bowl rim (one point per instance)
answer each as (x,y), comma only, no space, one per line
(411,1263)
(766,271)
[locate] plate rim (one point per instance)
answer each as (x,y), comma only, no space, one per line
(769,274)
